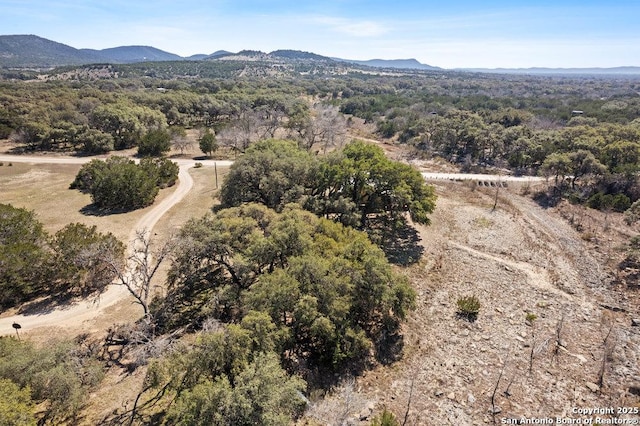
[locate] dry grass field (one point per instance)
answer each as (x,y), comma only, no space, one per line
(44,188)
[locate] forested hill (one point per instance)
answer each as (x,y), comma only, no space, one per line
(30,51)
(131,54)
(37,52)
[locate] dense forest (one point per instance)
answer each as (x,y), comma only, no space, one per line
(289,284)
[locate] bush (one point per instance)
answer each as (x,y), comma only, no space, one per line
(16,407)
(617,203)
(163,171)
(59,374)
(125,186)
(120,184)
(24,257)
(468,307)
(632,215)
(386,418)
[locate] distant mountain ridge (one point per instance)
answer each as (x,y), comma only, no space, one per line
(31,51)
(621,71)
(131,54)
(36,52)
(393,63)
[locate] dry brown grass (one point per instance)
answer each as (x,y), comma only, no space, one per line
(45,190)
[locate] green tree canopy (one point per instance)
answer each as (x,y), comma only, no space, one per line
(120,184)
(208,143)
(360,181)
(271,172)
(58,374)
(23,255)
(231,376)
(154,143)
(162,171)
(326,287)
(16,407)
(82,256)
(349,186)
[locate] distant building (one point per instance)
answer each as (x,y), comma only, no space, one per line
(577,112)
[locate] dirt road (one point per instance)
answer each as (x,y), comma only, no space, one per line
(76,313)
(480,177)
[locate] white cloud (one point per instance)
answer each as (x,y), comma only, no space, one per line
(352,27)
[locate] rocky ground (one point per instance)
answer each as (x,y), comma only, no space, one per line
(554,335)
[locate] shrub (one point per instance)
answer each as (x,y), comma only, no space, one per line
(120,184)
(386,418)
(16,406)
(632,215)
(601,201)
(59,374)
(23,255)
(468,307)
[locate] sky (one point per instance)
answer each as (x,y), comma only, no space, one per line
(446,33)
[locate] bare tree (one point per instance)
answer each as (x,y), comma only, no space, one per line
(179,139)
(494,411)
(141,266)
(608,345)
(270,120)
(559,342)
(242,132)
(325,126)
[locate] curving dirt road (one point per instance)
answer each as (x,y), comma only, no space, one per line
(81,311)
(84,310)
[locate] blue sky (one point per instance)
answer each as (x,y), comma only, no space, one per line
(447,33)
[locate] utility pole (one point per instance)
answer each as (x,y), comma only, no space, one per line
(215,167)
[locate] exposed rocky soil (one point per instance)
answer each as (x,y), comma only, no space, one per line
(581,350)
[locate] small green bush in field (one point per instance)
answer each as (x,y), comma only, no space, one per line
(386,418)
(468,307)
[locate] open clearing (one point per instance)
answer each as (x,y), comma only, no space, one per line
(44,189)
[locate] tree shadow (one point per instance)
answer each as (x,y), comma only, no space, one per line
(390,348)
(547,199)
(47,304)
(399,241)
(468,316)
(93,210)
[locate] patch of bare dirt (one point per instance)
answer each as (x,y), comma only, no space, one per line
(554,333)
